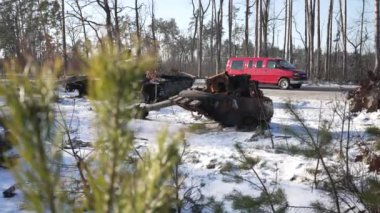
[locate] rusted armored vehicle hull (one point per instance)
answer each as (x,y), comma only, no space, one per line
(152,90)
(164,87)
(229,100)
(228,110)
(79,83)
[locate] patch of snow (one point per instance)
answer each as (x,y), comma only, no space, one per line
(217,147)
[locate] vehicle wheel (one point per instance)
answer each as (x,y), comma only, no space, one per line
(296,86)
(283,83)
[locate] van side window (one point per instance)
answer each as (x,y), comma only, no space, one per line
(250,64)
(259,64)
(237,65)
(271,64)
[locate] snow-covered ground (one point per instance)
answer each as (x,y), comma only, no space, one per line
(211,148)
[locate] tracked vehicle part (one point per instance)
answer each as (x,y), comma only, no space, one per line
(164,87)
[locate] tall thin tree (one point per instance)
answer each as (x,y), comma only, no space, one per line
(64,37)
(246,29)
(153,27)
(230,14)
(219,33)
(343,31)
(138,28)
(327,68)
(377,36)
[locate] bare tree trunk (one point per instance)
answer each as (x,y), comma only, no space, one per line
(153,26)
(264,26)
(329,42)
(201,14)
(246,31)
(105,6)
(199,44)
(310,22)
(361,37)
(213,24)
(286,30)
(117,25)
(219,36)
(319,39)
(290,29)
(81,17)
(196,17)
(343,19)
(64,38)
(138,30)
(258,28)
(307,66)
(377,36)
(289,51)
(230,5)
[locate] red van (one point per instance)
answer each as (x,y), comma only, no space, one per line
(274,71)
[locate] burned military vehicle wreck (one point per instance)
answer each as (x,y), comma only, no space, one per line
(229,100)
(79,83)
(157,88)
(154,88)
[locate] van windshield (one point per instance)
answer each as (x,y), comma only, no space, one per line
(286,64)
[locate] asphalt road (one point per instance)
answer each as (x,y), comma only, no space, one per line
(318,92)
(309,92)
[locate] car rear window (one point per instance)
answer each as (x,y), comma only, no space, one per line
(237,65)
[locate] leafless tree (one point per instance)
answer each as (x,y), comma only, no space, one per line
(138,27)
(230,17)
(201,14)
(212,28)
(153,28)
(377,36)
(117,24)
(104,4)
(329,41)
(319,50)
(258,28)
(246,31)
(219,31)
(195,17)
(64,37)
(311,31)
(285,28)
(288,35)
(361,34)
(265,6)
(343,30)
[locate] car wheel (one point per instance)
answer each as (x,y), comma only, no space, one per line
(283,83)
(296,86)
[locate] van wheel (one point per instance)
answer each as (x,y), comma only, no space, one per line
(283,83)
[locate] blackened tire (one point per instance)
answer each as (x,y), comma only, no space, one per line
(284,83)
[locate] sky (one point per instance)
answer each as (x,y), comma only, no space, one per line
(181,11)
